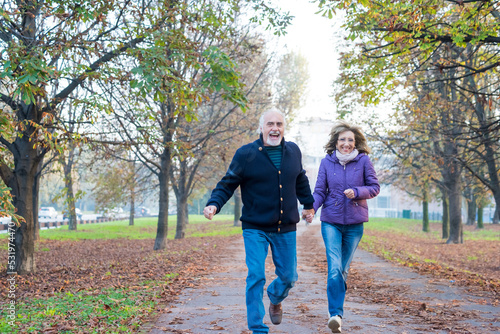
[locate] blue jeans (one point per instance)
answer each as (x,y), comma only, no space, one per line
(284,253)
(341,242)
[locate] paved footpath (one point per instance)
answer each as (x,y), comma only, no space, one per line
(217,304)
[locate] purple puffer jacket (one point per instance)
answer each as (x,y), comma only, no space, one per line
(333,179)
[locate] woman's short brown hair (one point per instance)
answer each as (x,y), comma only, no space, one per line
(343,126)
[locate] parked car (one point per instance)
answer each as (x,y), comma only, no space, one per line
(142,212)
(48,212)
(78,212)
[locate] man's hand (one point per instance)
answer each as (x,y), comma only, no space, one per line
(209,211)
(308,215)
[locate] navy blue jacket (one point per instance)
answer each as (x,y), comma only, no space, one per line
(269,195)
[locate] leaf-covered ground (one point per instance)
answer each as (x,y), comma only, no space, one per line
(474,263)
(103,286)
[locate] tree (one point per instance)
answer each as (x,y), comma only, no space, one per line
(405,169)
(172,77)
(48,50)
(68,159)
(291,83)
(457,39)
(402,36)
(427,140)
(118,179)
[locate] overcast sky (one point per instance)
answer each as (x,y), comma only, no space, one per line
(313,36)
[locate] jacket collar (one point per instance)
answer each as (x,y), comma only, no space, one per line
(333,157)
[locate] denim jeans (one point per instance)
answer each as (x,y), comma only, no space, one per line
(284,254)
(341,242)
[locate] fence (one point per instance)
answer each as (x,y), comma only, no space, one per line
(54,224)
(407,214)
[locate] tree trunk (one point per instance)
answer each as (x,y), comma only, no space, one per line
(455,200)
(132,195)
(181,217)
(132,209)
(490,155)
(491,162)
(237,207)
(162,228)
(452,175)
(471,212)
(70,195)
(36,188)
(480,217)
(446,218)
(181,194)
(425,210)
(167,126)
(471,207)
(22,182)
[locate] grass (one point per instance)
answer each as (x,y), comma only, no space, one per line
(117,308)
(414,226)
(143,228)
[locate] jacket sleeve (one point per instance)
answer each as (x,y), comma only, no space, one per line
(321,187)
(302,187)
(228,184)
(304,191)
(371,187)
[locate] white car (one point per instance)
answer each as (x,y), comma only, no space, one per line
(47,212)
(78,212)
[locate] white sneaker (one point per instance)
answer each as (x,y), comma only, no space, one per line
(334,324)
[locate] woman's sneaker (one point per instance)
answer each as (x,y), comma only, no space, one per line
(334,324)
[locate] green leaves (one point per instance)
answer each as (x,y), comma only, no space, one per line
(406,34)
(7,209)
(223,76)
(264,11)
(27,74)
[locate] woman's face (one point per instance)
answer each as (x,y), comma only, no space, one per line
(346,143)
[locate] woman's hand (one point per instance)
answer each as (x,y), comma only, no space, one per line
(308,215)
(350,193)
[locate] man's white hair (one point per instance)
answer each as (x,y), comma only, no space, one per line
(272,110)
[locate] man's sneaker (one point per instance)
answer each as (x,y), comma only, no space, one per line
(275,313)
(334,324)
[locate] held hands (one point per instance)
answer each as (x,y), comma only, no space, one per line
(308,215)
(209,211)
(349,193)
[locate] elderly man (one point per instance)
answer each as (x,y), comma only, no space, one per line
(271,177)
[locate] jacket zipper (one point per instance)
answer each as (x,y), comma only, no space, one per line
(345,197)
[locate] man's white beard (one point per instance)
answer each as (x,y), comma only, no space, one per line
(272,141)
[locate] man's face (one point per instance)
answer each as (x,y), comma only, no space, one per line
(273,129)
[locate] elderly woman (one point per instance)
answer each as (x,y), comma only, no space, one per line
(346,179)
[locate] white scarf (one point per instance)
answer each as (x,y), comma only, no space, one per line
(345,158)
